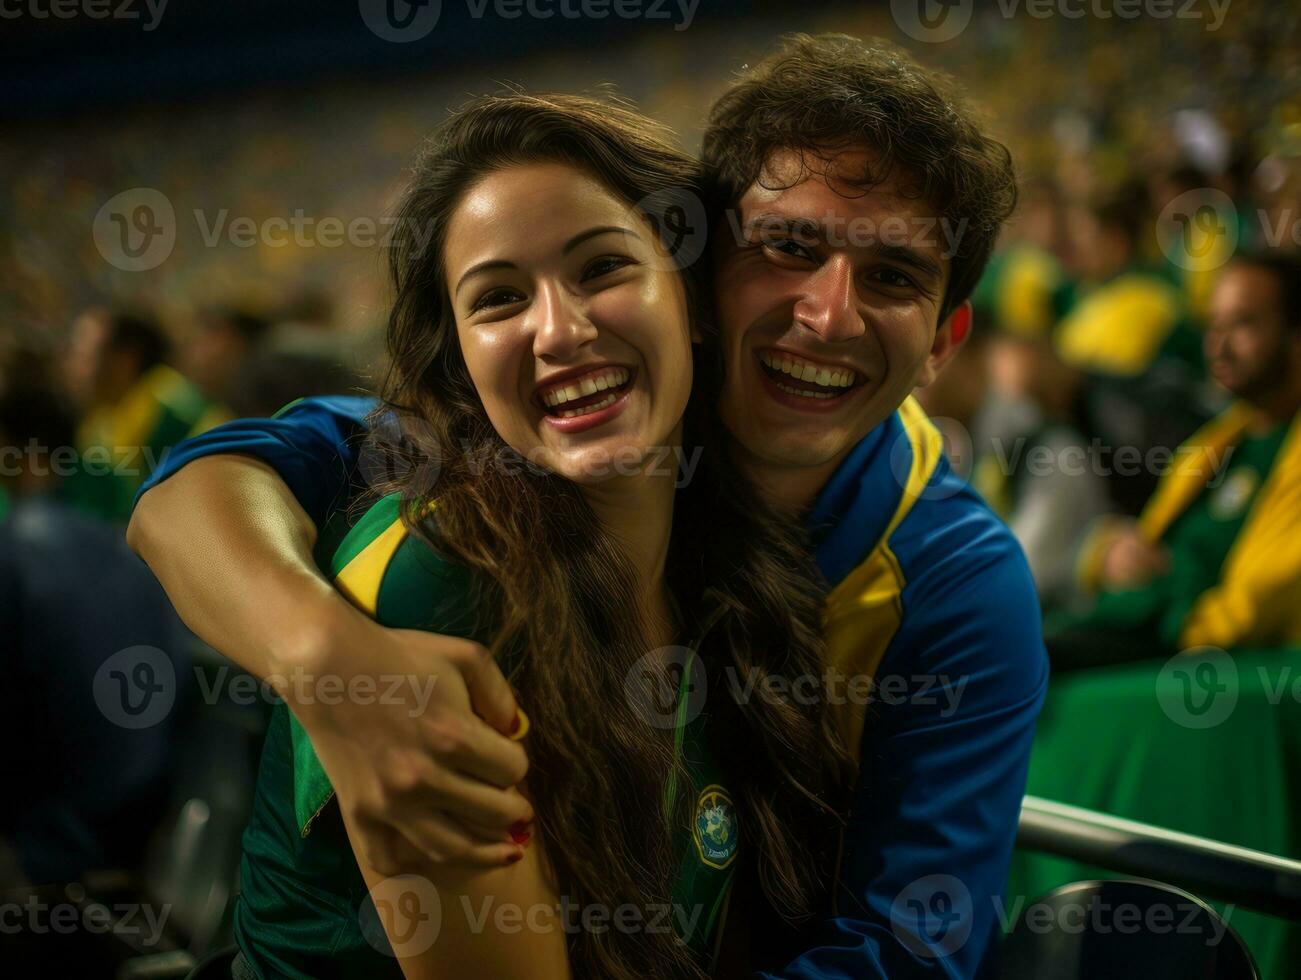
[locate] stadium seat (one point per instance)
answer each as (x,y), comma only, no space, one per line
(1121,929)
(216,966)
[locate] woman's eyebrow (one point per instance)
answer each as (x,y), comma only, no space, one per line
(583,236)
(569,246)
(481,267)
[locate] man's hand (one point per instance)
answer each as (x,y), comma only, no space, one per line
(422,765)
(1131,561)
(427,770)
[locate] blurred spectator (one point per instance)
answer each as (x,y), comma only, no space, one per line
(72,595)
(292,363)
(1025,288)
(1215,558)
(225,340)
(1013,403)
(1129,331)
(133,405)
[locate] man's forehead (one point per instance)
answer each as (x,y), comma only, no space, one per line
(845,200)
(853,180)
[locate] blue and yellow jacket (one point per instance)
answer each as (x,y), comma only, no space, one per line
(936,667)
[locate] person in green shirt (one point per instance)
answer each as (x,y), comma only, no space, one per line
(133,406)
(544,382)
(1215,557)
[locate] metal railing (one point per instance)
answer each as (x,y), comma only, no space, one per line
(1249,879)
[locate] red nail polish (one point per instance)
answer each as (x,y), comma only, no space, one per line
(514,725)
(518,855)
(519,832)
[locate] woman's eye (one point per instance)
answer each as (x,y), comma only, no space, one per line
(604,266)
(496,297)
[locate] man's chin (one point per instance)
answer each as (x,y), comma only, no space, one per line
(795,450)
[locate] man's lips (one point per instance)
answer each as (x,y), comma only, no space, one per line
(826,375)
(805,384)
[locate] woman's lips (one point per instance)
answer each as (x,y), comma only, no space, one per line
(611,407)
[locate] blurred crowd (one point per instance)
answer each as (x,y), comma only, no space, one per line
(82,425)
(1127,404)
(1127,400)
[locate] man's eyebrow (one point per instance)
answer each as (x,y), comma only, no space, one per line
(811,229)
(770,221)
(909,256)
(569,246)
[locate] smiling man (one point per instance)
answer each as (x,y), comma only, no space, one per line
(856,204)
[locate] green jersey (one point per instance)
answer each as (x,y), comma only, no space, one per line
(301,913)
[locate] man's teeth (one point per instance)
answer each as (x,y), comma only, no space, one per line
(582,387)
(588,409)
(803,370)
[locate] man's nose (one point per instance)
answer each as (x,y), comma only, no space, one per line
(559,322)
(828,302)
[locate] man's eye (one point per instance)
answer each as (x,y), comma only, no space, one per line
(893,278)
(604,266)
(788,247)
(493,298)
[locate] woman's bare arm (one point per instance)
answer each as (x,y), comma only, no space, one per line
(427,773)
(506,924)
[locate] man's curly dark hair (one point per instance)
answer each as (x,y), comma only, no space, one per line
(833,92)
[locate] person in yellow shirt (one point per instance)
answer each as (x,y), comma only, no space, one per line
(133,408)
(1215,557)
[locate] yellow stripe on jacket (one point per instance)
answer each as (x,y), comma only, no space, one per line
(865,610)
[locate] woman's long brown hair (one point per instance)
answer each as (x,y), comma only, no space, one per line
(559,598)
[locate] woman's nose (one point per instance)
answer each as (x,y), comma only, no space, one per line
(559,322)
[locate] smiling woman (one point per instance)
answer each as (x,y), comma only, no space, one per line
(544,322)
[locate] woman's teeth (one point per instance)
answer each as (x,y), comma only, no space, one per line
(802,370)
(588,409)
(608,379)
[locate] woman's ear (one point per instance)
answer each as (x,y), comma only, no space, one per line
(949,337)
